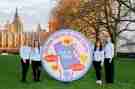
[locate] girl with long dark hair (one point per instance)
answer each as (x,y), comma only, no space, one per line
(108,61)
(36,60)
(25,50)
(98,59)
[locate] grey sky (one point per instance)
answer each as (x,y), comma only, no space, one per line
(32,12)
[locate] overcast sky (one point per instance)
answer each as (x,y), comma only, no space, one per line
(31,12)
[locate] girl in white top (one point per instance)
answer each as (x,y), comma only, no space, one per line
(36,60)
(98,59)
(35,54)
(25,50)
(108,61)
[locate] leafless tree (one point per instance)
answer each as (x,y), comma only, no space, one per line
(116,16)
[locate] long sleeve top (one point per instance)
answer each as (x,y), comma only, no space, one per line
(25,52)
(109,50)
(35,54)
(98,55)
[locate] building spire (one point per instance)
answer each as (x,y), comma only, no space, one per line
(17,24)
(16,13)
(39,28)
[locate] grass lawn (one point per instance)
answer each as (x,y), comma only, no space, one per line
(10,77)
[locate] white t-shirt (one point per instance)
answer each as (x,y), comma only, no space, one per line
(98,55)
(25,52)
(35,54)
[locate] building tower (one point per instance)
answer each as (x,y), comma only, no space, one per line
(16,25)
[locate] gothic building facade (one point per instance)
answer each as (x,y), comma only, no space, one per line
(12,35)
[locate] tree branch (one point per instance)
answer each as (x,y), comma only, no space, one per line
(130,7)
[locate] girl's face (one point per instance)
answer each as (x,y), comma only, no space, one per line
(108,37)
(98,44)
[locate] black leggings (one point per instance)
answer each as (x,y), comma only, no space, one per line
(109,70)
(25,66)
(36,68)
(97,66)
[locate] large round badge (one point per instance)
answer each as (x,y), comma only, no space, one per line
(66,55)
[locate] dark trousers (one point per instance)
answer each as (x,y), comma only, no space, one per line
(97,67)
(25,66)
(109,70)
(36,68)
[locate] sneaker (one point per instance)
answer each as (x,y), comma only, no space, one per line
(99,82)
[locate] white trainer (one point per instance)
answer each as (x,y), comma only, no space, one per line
(99,82)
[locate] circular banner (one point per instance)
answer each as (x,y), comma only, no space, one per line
(66,55)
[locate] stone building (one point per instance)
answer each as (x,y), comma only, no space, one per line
(12,35)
